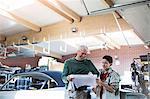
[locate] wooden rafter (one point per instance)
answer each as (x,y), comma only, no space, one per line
(110,3)
(52,32)
(61,9)
(19,20)
(55,9)
(67,10)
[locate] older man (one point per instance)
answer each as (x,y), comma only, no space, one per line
(79,65)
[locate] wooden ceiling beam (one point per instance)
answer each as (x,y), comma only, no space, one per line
(67,11)
(90,25)
(20,20)
(110,3)
(55,9)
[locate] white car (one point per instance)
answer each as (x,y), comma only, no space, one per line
(34,85)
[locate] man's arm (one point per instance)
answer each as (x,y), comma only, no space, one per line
(94,69)
(65,72)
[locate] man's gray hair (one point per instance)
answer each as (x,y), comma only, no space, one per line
(82,47)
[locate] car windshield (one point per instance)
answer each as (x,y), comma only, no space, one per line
(27,82)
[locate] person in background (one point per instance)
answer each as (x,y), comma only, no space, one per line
(2,80)
(78,65)
(108,81)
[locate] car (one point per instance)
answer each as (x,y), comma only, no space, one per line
(34,85)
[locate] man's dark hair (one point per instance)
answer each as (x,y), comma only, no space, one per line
(108,58)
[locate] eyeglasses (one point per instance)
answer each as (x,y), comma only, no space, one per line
(105,62)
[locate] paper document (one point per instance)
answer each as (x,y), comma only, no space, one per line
(82,80)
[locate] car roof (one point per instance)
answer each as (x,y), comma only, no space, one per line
(56,75)
(45,75)
(38,75)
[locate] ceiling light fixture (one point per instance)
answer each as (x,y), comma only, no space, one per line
(24,38)
(74,29)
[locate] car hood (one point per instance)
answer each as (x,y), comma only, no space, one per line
(52,93)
